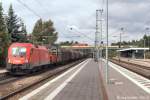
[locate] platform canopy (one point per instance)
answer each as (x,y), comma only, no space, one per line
(138,53)
(134,49)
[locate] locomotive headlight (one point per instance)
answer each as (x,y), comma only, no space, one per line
(26,61)
(8,60)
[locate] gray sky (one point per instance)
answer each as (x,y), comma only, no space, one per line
(133,15)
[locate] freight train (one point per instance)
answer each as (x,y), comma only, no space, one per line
(25,58)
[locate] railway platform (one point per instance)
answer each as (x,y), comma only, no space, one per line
(81,82)
(124,84)
(86,81)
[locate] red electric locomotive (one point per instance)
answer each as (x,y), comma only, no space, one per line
(24,57)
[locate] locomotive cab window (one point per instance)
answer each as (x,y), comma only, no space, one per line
(19,51)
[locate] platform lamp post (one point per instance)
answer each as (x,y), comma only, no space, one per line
(120,40)
(122,29)
(107,66)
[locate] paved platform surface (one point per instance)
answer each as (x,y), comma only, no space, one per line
(124,84)
(82,82)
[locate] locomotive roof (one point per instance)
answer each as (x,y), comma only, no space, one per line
(22,44)
(28,45)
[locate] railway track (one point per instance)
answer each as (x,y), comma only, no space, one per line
(139,69)
(3,74)
(52,73)
(143,60)
(7,78)
(4,77)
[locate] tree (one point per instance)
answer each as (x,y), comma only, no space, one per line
(4,40)
(69,43)
(76,42)
(138,43)
(37,31)
(2,21)
(44,32)
(13,25)
(23,33)
(66,43)
(23,28)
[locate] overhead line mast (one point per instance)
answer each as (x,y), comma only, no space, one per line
(107,33)
(97,35)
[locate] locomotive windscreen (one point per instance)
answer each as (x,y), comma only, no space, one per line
(19,51)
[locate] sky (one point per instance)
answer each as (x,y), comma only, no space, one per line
(132,15)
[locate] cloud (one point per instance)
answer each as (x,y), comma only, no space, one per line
(133,15)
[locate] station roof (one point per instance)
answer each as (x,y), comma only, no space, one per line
(128,49)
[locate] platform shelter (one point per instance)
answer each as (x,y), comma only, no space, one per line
(137,53)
